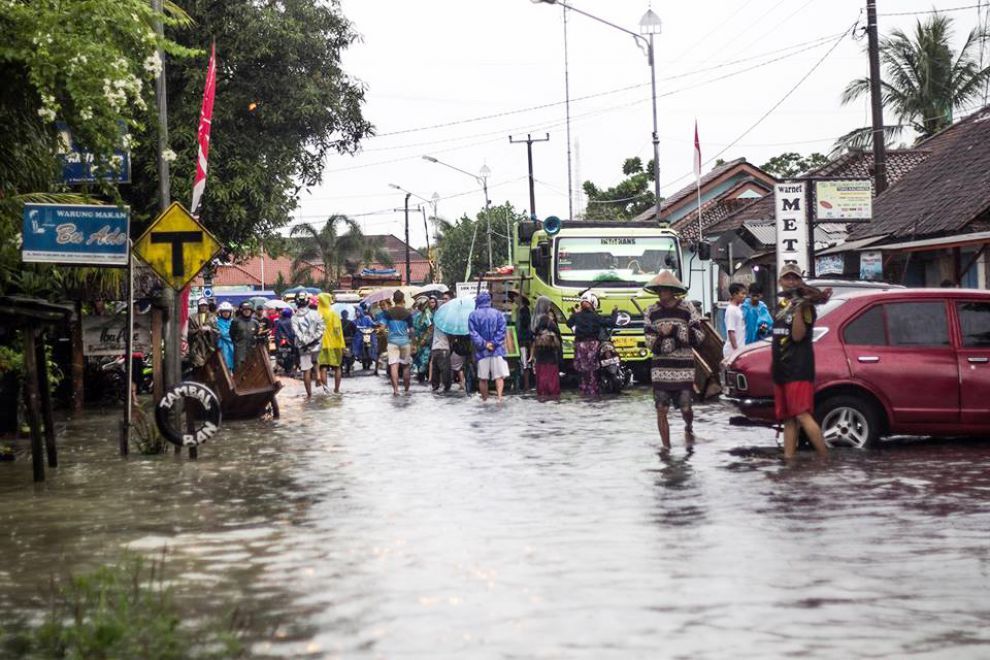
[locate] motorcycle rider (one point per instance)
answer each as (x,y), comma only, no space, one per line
(365,325)
(588,327)
(308,327)
(349,331)
(285,342)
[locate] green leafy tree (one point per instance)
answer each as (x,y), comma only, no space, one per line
(283,104)
(627,199)
(925,80)
(791,164)
(454,244)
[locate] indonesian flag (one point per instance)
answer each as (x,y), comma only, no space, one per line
(203,134)
(199,183)
(697,153)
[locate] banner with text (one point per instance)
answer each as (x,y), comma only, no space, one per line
(106,335)
(792,225)
(844,201)
(75,234)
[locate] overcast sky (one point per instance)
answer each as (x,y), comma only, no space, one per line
(725,63)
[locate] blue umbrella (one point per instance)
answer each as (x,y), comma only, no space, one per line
(452,317)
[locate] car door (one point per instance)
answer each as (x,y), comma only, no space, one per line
(903,351)
(974,361)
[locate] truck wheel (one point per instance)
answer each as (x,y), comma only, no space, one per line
(848,421)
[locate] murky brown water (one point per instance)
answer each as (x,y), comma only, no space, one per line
(427,526)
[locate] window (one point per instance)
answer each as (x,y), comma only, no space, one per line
(614,261)
(974,321)
(917,324)
(867,330)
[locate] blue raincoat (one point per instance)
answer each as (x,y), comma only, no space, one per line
(362,320)
(224,342)
(755,317)
(487,325)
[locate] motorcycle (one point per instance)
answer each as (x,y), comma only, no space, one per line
(367,348)
(613,374)
(287,357)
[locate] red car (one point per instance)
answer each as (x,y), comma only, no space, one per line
(897,362)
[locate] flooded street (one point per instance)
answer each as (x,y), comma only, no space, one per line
(429,526)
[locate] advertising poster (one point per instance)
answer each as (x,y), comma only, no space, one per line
(844,201)
(89,234)
(871,265)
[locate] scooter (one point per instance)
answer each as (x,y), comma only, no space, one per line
(367,348)
(613,374)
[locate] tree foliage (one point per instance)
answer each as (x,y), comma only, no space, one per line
(924,80)
(627,199)
(334,250)
(455,241)
(283,104)
(790,164)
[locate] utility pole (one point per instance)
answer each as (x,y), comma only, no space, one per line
(879,143)
(173,359)
(408,268)
(529,155)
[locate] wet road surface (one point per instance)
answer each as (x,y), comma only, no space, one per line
(427,526)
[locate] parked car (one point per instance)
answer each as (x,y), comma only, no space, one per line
(895,362)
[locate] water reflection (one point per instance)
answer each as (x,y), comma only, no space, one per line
(425,526)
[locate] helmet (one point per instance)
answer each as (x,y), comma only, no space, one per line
(302,298)
(225,307)
(286,313)
(590,298)
(203,301)
(247,304)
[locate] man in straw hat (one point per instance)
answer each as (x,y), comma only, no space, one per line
(793,366)
(673,329)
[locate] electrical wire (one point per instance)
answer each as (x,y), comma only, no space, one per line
(930,11)
(776,105)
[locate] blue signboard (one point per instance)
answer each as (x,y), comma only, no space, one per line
(76,234)
(78,166)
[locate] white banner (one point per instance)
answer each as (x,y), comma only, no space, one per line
(469,289)
(792,225)
(844,201)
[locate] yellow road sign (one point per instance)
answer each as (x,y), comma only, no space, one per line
(176,246)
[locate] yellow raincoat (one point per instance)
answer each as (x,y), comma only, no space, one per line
(332,347)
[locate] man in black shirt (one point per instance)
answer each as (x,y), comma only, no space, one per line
(793,366)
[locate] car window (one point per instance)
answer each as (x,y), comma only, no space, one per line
(829,307)
(867,329)
(917,324)
(974,320)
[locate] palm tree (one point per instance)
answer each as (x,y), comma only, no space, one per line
(336,251)
(926,81)
(325,246)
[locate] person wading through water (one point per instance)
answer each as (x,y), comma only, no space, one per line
(673,330)
(793,366)
(308,327)
(399,321)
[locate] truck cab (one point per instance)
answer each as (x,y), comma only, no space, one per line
(614,260)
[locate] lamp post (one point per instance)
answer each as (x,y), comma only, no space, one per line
(408,269)
(426,226)
(481,178)
(649,25)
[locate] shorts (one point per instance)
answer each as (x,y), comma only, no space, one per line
(308,359)
(492,368)
(456,361)
(793,399)
(664,398)
(399,354)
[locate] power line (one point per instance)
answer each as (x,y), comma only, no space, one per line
(930,11)
(778,103)
(545,106)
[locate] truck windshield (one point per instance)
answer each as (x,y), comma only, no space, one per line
(614,261)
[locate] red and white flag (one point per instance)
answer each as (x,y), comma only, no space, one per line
(203,134)
(697,153)
(199,183)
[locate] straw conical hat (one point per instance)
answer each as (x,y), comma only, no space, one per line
(665,280)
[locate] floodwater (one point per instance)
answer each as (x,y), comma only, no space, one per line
(428,526)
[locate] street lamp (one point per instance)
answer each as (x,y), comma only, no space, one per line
(481,178)
(426,226)
(408,266)
(649,25)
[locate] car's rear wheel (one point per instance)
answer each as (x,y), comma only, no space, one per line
(849,421)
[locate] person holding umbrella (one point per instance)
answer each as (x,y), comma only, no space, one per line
(673,329)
